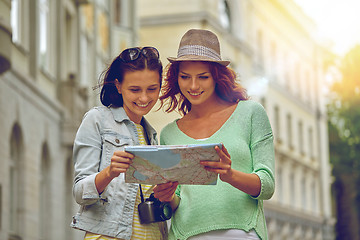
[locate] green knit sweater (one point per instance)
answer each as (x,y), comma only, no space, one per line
(248,137)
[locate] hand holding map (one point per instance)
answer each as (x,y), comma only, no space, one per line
(156,164)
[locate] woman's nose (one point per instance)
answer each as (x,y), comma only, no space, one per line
(144,96)
(194,84)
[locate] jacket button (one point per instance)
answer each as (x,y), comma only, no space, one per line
(117,140)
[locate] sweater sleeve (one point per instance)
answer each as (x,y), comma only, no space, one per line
(262,152)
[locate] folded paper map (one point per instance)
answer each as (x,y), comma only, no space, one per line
(155,164)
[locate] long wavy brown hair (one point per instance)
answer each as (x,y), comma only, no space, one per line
(226,87)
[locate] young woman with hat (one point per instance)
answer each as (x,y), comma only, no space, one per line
(109,206)
(216,109)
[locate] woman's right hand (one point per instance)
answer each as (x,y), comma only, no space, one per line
(166,193)
(120,163)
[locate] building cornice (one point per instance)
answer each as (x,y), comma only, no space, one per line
(27,82)
(292,216)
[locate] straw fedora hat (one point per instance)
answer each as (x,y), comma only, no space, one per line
(199,45)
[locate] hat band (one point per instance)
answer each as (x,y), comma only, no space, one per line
(198,50)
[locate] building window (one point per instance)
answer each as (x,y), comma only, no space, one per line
(307,87)
(103,32)
(16,183)
(297,80)
(286,67)
(123,10)
(85,60)
(289,131)
(301,137)
(225,17)
(45,193)
(260,49)
(16,20)
(311,143)
(277,123)
(88,38)
(280,186)
(303,193)
(292,186)
(70,40)
(117,15)
(274,60)
(314,196)
(263,102)
(44,34)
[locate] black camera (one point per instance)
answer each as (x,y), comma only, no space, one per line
(153,210)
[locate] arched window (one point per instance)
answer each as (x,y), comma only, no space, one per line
(16,181)
(45,194)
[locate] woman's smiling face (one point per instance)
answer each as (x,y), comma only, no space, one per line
(140,91)
(196,82)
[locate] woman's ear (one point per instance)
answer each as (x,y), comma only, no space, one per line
(118,86)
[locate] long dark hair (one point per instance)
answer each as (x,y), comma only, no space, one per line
(226,87)
(109,94)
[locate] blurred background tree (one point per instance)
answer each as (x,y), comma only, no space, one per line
(344,137)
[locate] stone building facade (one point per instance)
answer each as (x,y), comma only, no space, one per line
(52,53)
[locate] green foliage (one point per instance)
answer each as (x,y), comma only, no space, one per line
(344,137)
(344,114)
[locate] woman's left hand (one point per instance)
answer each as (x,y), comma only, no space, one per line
(247,182)
(222,167)
(165,192)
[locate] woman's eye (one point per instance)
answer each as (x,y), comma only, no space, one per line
(184,77)
(204,77)
(134,90)
(153,89)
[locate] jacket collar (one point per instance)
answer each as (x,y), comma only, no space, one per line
(120,116)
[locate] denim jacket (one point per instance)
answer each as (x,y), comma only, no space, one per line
(102,131)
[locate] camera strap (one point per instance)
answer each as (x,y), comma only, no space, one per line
(141,193)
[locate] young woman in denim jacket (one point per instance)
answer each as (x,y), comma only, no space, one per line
(108,205)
